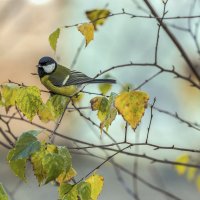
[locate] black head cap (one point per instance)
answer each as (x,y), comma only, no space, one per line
(46,65)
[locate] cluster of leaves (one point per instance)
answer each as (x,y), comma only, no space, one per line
(28,100)
(51,163)
(192,174)
(97,17)
(130,104)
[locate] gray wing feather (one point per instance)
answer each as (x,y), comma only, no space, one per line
(77,78)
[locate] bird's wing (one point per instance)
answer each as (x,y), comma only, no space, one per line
(77,78)
(60,76)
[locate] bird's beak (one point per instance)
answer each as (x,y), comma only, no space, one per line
(38,65)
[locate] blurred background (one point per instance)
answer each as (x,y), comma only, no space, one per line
(25,28)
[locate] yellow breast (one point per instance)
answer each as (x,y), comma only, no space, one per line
(65,90)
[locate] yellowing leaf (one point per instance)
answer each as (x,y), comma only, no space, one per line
(180,168)
(18,166)
(198,182)
(3,194)
(191,173)
(8,95)
(53,38)
(131,105)
(53,108)
(105,87)
(96,181)
(106,110)
(87,29)
(68,192)
(97,16)
(36,160)
(28,101)
(84,191)
(97,101)
(66,177)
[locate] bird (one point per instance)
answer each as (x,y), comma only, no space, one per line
(61,80)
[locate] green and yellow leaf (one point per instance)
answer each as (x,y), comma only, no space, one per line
(17,166)
(84,191)
(97,16)
(3,194)
(28,100)
(53,108)
(87,30)
(96,181)
(68,192)
(182,159)
(66,176)
(8,95)
(53,38)
(105,87)
(131,105)
(106,110)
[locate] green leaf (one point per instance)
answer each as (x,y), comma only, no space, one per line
(64,153)
(105,87)
(96,181)
(17,166)
(106,110)
(28,101)
(53,38)
(53,108)
(84,191)
(68,192)
(53,165)
(3,194)
(26,145)
(8,95)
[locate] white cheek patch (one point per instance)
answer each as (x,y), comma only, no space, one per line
(65,80)
(49,68)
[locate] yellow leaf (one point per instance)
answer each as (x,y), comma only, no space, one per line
(87,29)
(97,16)
(191,173)
(66,177)
(131,105)
(198,182)
(96,181)
(182,159)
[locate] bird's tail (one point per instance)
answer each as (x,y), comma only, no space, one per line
(111,81)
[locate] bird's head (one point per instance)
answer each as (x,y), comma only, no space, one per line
(46,65)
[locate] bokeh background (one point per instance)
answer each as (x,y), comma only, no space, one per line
(25,27)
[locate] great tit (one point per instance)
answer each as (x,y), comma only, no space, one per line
(61,80)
